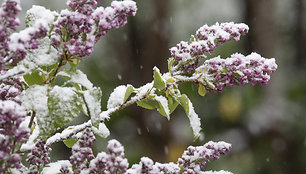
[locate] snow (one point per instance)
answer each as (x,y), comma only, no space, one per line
(30,144)
(117,97)
(54,168)
(45,55)
(164,102)
(39,12)
(194,120)
(103,131)
(67,133)
(36,99)
(81,78)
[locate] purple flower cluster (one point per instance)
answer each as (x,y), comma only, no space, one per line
(194,159)
(8,23)
(81,152)
(38,157)
(146,165)
(219,73)
(13,47)
(79,29)
(12,134)
(207,38)
(113,162)
(10,89)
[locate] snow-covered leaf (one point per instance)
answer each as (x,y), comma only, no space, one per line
(159,82)
(128,92)
(64,105)
(33,78)
(156,102)
(36,99)
(102,131)
(79,77)
(119,96)
(194,119)
(92,99)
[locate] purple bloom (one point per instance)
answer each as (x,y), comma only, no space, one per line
(194,159)
(39,156)
(78,30)
(11,134)
(217,73)
(207,38)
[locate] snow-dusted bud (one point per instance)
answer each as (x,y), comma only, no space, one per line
(114,162)
(186,55)
(81,151)
(217,73)
(11,133)
(39,156)
(194,159)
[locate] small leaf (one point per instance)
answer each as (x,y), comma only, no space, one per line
(70,142)
(148,103)
(172,103)
(128,92)
(202,91)
(170,63)
(170,80)
(92,99)
(159,82)
(34,78)
(163,106)
(184,102)
(102,131)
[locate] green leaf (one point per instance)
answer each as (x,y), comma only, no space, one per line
(159,82)
(172,103)
(64,105)
(92,99)
(148,103)
(156,102)
(170,63)
(33,79)
(70,142)
(184,102)
(202,91)
(128,92)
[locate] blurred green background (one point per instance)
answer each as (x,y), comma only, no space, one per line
(265,124)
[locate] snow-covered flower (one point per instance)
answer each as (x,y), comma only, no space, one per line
(218,73)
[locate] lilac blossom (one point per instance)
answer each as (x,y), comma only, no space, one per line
(8,24)
(78,30)
(194,159)
(217,73)
(10,89)
(13,47)
(113,162)
(186,55)
(12,134)
(81,152)
(38,157)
